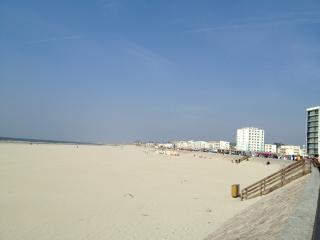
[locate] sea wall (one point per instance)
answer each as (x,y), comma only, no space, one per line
(316,229)
(302,223)
(287,213)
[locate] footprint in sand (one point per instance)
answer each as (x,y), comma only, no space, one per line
(128,195)
(208,210)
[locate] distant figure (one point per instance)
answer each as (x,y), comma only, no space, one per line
(268,163)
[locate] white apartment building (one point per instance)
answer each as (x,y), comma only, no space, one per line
(289,150)
(250,139)
(303,151)
(201,145)
(270,148)
(219,145)
(183,145)
(165,145)
(192,145)
(313,133)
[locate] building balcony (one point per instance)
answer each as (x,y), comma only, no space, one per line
(312,145)
(313,119)
(309,138)
(313,137)
(312,131)
(312,154)
(313,115)
(312,149)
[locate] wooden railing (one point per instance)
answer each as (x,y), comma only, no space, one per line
(277,180)
(315,162)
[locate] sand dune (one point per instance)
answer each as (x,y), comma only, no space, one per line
(51,191)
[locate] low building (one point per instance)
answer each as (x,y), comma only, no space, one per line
(198,145)
(303,151)
(184,145)
(270,148)
(166,145)
(289,150)
(219,145)
(150,144)
(181,144)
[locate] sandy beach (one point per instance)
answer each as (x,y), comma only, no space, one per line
(52,191)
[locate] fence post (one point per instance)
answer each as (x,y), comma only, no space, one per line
(282,177)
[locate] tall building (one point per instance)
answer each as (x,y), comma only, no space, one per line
(313,133)
(250,139)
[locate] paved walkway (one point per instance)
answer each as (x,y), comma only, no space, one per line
(266,218)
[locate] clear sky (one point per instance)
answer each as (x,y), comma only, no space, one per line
(120,70)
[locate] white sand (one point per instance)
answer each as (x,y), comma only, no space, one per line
(101,192)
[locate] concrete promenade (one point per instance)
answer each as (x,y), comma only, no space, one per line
(287,213)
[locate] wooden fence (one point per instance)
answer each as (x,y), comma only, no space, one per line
(277,180)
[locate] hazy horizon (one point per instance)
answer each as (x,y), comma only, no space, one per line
(119,71)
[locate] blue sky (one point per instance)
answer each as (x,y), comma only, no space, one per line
(119,71)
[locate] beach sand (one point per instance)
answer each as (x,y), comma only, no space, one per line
(52,191)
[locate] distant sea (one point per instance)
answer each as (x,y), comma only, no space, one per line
(31,140)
